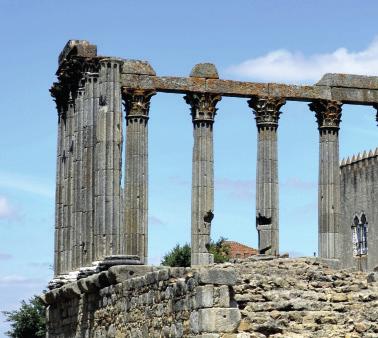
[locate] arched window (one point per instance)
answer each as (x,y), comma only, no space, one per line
(359,235)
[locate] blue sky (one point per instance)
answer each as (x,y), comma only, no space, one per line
(287,41)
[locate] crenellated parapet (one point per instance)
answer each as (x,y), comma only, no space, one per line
(360,158)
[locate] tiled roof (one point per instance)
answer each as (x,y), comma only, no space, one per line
(238,250)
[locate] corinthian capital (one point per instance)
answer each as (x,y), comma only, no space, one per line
(266,110)
(137,103)
(327,113)
(202,106)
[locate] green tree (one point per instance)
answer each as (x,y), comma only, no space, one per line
(28,321)
(178,256)
(220,250)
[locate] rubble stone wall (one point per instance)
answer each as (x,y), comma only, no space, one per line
(258,297)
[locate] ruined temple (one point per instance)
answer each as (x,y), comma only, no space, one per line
(101,227)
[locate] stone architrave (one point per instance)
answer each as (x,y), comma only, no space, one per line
(267,112)
(328,115)
(137,104)
(203,112)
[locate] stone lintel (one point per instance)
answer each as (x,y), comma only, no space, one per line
(217,276)
(349,81)
(77,48)
(184,85)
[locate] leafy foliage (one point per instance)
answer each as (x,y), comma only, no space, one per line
(220,250)
(180,255)
(28,321)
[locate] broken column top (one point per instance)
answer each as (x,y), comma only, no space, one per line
(77,48)
(206,70)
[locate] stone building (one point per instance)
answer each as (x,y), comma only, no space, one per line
(359,211)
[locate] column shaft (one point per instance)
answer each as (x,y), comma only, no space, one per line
(108,151)
(68,219)
(91,98)
(328,114)
(136,173)
(59,192)
(203,111)
(267,113)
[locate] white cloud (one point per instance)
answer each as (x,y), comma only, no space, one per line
(286,66)
(6,209)
(26,184)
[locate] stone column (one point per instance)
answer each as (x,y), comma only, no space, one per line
(203,112)
(78,177)
(91,100)
(266,110)
(328,115)
(108,150)
(137,104)
(58,92)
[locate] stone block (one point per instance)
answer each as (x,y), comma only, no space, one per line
(205,296)
(119,273)
(217,276)
(194,322)
(222,296)
(206,70)
(372,277)
(218,319)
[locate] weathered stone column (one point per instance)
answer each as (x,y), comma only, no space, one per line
(108,150)
(266,110)
(137,104)
(328,115)
(203,112)
(91,103)
(58,92)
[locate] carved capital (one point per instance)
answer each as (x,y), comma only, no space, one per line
(327,113)
(266,110)
(70,77)
(202,106)
(137,103)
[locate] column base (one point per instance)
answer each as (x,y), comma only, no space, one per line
(112,260)
(96,267)
(203,259)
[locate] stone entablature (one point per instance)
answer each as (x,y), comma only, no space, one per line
(262,296)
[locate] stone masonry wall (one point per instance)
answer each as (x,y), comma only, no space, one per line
(359,193)
(174,302)
(258,297)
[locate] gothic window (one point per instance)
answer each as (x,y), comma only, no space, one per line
(359,235)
